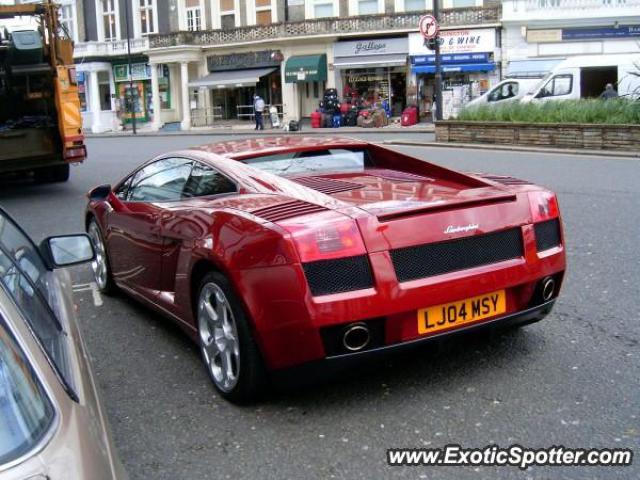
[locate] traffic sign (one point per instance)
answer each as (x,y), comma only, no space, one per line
(429,27)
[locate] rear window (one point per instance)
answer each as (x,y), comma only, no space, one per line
(26,414)
(313,161)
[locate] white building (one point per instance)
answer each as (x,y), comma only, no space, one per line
(537,34)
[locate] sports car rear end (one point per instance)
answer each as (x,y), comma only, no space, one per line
(408,254)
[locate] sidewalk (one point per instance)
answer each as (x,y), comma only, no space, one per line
(246,128)
(516,148)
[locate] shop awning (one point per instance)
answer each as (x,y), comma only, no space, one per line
(531,68)
(232,79)
(306,68)
(455,68)
(390,60)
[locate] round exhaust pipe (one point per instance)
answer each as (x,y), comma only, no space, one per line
(356,337)
(548,288)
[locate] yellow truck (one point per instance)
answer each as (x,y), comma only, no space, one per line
(40,120)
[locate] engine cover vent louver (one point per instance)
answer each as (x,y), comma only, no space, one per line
(397,176)
(282,211)
(327,185)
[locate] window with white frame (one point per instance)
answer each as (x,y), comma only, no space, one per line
(265,11)
(146,15)
(67,19)
(462,3)
(323,8)
(228,14)
(109,21)
(367,7)
(194,15)
(416,5)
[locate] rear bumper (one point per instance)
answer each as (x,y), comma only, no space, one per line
(328,365)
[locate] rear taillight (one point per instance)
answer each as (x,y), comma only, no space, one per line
(543,205)
(325,238)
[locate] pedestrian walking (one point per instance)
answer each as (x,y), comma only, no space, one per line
(258,109)
(609,92)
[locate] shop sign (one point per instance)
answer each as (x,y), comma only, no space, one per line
(241,61)
(364,77)
(622,31)
(452,58)
(139,71)
(544,36)
(382,46)
(457,41)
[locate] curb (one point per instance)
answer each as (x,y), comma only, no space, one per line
(514,148)
(274,132)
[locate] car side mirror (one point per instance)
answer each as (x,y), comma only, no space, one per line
(66,250)
(99,193)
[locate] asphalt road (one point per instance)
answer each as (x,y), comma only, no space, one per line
(570,380)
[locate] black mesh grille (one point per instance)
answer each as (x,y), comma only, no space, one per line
(340,275)
(436,258)
(547,234)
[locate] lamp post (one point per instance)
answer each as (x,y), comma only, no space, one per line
(438,73)
(131,96)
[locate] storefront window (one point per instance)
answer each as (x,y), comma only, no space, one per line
(105,91)
(82,90)
(367,7)
(164,86)
(375,87)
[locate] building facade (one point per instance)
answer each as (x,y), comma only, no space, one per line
(198,62)
(538,34)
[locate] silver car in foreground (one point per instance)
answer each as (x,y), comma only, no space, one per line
(52,424)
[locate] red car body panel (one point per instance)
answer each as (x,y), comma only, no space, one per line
(156,249)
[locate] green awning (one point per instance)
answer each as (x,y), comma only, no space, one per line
(306,68)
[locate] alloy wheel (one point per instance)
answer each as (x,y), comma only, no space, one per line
(99,264)
(218,337)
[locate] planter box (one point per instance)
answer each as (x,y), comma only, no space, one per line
(570,135)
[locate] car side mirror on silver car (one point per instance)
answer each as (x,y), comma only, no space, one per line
(67,250)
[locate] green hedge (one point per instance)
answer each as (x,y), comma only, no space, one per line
(615,111)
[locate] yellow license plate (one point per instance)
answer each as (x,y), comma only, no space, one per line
(448,315)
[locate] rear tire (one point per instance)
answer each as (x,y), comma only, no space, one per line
(101,266)
(229,351)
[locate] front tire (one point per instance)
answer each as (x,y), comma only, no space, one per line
(229,352)
(101,266)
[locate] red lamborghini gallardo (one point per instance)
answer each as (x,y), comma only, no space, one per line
(277,252)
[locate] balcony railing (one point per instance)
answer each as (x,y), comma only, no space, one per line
(562,9)
(118,47)
(324,26)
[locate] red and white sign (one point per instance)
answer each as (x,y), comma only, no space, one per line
(473,40)
(429,27)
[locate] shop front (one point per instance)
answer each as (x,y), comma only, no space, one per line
(133,95)
(373,72)
(468,60)
(234,79)
(309,75)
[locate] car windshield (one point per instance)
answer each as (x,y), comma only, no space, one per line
(313,161)
(26,414)
(23,274)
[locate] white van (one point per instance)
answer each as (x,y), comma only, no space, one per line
(509,90)
(586,76)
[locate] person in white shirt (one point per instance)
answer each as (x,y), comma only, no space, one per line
(258,109)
